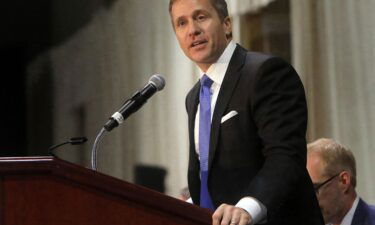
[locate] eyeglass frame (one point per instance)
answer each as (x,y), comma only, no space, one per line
(318,186)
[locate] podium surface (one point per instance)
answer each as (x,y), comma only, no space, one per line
(50,191)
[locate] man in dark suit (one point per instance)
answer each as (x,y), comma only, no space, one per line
(332,169)
(247,125)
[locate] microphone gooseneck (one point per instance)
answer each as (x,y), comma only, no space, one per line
(95,149)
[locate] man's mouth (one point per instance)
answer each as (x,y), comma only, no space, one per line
(197,43)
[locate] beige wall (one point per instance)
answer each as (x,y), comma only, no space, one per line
(333,51)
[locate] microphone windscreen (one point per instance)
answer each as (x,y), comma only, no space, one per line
(158,81)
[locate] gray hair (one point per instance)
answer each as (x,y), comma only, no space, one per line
(335,156)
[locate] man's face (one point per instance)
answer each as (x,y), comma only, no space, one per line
(329,196)
(199,30)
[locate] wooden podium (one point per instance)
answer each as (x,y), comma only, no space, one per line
(50,191)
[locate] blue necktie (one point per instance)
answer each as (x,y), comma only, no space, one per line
(204,139)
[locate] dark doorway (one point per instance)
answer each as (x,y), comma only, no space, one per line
(13,101)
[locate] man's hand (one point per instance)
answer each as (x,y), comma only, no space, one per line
(230,215)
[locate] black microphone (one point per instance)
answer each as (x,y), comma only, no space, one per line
(156,83)
(72,141)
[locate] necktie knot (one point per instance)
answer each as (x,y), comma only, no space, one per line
(206,81)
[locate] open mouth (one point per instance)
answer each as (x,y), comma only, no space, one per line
(198,43)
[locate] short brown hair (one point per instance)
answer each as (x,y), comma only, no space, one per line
(219,5)
(335,157)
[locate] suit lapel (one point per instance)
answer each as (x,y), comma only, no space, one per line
(361,214)
(231,77)
(192,111)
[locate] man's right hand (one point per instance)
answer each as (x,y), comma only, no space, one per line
(230,215)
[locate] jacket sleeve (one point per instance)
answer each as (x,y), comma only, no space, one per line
(279,110)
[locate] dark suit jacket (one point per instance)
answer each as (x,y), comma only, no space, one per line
(364,214)
(261,152)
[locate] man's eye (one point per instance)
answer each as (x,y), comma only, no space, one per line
(181,23)
(201,17)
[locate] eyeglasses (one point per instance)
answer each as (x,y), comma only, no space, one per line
(318,186)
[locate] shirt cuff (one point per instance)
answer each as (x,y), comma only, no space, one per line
(256,209)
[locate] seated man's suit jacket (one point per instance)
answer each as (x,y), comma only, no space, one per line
(364,214)
(261,151)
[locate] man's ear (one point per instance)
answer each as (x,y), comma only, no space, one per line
(227,24)
(345,181)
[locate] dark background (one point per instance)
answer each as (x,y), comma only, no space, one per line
(25,32)
(29,28)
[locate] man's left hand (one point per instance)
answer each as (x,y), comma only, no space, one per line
(230,215)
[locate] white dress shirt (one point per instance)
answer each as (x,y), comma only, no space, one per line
(216,73)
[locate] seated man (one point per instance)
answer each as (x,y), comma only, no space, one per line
(332,169)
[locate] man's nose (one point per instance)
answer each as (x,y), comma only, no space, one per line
(194,29)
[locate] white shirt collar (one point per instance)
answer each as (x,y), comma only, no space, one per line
(349,216)
(216,71)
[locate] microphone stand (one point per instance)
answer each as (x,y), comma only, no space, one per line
(95,149)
